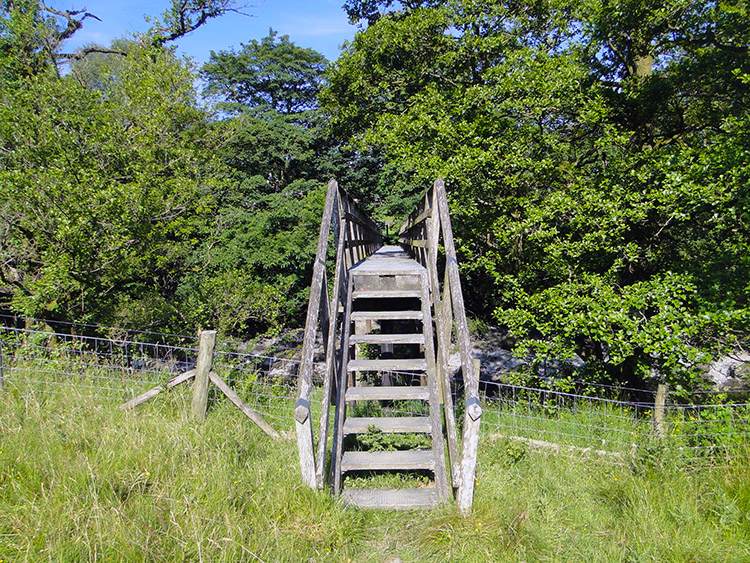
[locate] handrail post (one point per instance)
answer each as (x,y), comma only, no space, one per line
(355,235)
(473,411)
(302,414)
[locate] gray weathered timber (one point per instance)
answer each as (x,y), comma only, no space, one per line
(472,417)
(407,460)
(438,445)
(386,282)
(2,371)
(378,338)
(387,315)
(202,368)
(391,425)
(391,499)
(340,413)
(240,404)
(387,294)
(659,405)
(444,324)
(387,365)
(304,426)
(329,381)
(396,393)
(176,380)
(356,236)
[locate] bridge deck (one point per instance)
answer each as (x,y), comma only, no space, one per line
(388,260)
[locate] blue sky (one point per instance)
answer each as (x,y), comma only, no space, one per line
(318,24)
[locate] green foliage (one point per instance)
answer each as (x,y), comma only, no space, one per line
(97,187)
(596,157)
(376,440)
(271,74)
(22,31)
(123,203)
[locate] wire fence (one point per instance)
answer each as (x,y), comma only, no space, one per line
(566,416)
(116,369)
(714,431)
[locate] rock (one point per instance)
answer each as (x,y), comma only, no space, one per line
(730,372)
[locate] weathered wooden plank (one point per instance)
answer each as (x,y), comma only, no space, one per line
(444,323)
(436,418)
(418,364)
(659,407)
(472,418)
(387,294)
(202,368)
(386,315)
(422,498)
(398,424)
(302,410)
(140,399)
(386,339)
(425,214)
(362,221)
(358,242)
(240,404)
(407,460)
(394,393)
(467,473)
(329,382)
(2,369)
(340,413)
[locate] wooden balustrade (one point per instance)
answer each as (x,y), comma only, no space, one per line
(421,235)
(356,236)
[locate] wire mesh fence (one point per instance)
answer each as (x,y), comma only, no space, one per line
(565,416)
(708,428)
(118,370)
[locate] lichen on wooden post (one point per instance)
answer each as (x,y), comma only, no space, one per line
(202,369)
(659,408)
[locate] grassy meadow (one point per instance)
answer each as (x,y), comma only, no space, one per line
(81,480)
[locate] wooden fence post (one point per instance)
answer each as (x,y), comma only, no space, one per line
(2,371)
(659,408)
(202,369)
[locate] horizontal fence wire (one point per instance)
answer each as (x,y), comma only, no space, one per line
(117,369)
(564,416)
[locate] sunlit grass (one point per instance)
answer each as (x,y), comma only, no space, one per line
(81,480)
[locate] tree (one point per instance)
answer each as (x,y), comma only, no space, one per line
(586,149)
(32,34)
(99,189)
(273,74)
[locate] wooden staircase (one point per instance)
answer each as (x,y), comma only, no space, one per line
(386,330)
(389,292)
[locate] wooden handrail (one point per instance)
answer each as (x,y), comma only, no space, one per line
(356,236)
(421,235)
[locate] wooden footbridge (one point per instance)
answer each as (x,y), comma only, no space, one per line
(389,319)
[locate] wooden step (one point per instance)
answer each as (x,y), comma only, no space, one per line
(386,294)
(391,424)
(386,315)
(399,393)
(386,339)
(419,364)
(387,268)
(407,460)
(394,499)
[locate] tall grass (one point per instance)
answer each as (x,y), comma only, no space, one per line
(82,481)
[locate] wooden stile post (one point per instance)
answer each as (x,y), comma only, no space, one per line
(202,369)
(659,408)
